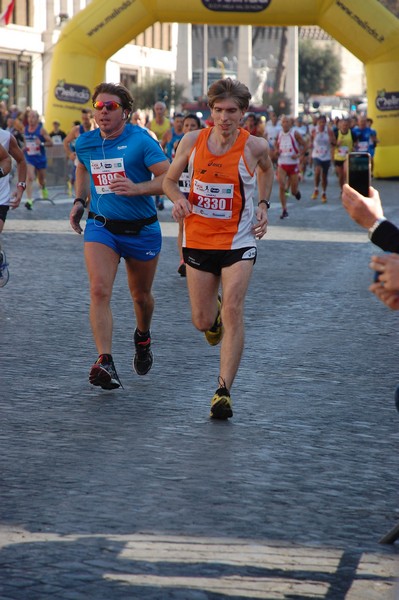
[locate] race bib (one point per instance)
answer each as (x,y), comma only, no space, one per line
(33,147)
(320,151)
(343,150)
(184,183)
(363,146)
(104,171)
(213,201)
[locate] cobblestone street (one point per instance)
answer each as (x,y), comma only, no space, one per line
(135,493)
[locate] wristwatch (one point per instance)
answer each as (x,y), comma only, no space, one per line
(376,224)
(21,184)
(2,174)
(267,202)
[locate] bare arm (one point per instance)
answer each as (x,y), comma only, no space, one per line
(167,136)
(5,160)
(181,206)
(82,187)
(19,157)
(67,140)
(126,187)
(259,149)
(49,141)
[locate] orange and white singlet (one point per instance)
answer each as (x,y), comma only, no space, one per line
(221,196)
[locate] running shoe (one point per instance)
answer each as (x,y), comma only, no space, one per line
(324,197)
(29,204)
(45,193)
(103,374)
(143,359)
(182,269)
(284,214)
(221,405)
(215,333)
(298,195)
(4,273)
(315,195)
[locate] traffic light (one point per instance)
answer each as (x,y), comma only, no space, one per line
(4,88)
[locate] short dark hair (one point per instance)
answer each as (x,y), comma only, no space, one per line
(229,88)
(194,117)
(115,89)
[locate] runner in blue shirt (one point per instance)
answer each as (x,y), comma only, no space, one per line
(120,167)
(366,138)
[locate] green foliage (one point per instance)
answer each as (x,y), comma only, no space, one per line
(279,101)
(319,70)
(158,88)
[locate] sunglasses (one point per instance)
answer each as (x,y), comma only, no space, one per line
(109,105)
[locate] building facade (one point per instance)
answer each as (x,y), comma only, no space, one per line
(27,43)
(249,53)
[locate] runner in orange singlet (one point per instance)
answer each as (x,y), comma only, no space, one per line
(220,223)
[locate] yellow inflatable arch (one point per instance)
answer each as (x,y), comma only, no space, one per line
(366,28)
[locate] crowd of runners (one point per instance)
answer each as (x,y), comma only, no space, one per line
(219,176)
(308,146)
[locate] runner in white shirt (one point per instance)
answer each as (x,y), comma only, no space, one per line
(7,199)
(272,129)
(322,141)
(288,146)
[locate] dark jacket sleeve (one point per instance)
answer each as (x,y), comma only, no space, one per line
(386,236)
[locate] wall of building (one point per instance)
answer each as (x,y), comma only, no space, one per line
(34,30)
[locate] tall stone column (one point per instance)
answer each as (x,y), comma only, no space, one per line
(184,61)
(291,85)
(45,68)
(244,71)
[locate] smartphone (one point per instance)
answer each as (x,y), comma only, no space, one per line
(359,172)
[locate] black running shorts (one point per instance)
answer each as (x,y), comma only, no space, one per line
(3,212)
(213,261)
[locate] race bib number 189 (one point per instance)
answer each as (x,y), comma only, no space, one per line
(214,201)
(104,171)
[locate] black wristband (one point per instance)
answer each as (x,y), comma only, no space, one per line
(267,202)
(80,200)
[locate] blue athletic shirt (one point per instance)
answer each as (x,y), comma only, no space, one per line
(170,151)
(130,155)
(364,143)
(34,147)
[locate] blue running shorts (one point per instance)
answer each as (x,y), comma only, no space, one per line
(144,246)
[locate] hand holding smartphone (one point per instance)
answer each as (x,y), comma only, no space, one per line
(359,172)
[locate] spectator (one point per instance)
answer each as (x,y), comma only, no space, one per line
(368,213)
(56,134)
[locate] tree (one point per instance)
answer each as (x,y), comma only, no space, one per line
(281,70)
(158,88)
(279,101)
(319,70)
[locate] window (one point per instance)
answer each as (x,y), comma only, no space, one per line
(22,13)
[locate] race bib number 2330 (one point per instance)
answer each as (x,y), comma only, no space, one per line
(214,201)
